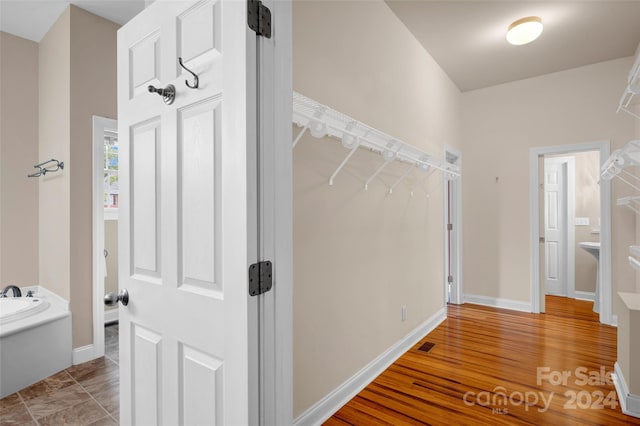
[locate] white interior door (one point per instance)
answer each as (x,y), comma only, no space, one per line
(453,230)
(555,226)
(185,244)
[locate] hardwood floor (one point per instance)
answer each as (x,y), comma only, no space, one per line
(497,367)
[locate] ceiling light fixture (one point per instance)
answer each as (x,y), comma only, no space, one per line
(524,30)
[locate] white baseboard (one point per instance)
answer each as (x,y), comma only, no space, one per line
(584,295)
(110,316)
(333,401)
(629,403)
(496,302)
(83,354)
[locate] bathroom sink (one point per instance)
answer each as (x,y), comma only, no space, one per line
(593,248)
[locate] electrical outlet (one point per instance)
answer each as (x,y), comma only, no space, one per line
(404,313)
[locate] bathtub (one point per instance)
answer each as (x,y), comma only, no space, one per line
(35,339)
(16,308)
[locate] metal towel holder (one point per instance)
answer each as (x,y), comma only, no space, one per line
(43,167)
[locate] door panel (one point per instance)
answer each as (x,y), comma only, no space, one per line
(144,57)
(199,173)
(201,380)
(552,210)
(552,261)
(147,376)
(185,188)
(145,191)
(199,30)
(555,226)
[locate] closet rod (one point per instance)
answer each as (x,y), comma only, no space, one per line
(632,89)
(321,120)
(378,147)
(619,159)
(629,202)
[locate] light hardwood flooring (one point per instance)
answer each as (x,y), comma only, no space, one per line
(484,370)
(478,355)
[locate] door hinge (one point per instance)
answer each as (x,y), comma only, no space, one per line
(259,18)
(260,278)
(450,227)
(450,279)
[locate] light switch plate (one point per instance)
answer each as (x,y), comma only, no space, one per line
(582,221)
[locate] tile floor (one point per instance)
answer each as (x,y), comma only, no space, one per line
(111,342)
(84,394)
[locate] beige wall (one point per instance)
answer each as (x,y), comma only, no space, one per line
(54,127)
(18,154)
(587,205)
(359,256)
(93,92)
(499,125)
(636,171)
(636,108)
(77,81)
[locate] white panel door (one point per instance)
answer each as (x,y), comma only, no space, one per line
(185,240)
(555,226)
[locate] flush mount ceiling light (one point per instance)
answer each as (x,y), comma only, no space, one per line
(524,30)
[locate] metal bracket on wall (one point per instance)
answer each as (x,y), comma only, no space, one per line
(260,278)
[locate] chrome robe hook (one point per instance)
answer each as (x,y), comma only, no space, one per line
(168,93)
(196,80)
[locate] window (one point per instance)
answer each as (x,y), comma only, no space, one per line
(111,185)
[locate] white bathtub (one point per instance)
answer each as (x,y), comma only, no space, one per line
(35,339)
(17,308)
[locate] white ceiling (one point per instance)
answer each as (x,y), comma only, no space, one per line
(467,38)
(32,19)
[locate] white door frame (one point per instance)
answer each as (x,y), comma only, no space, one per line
(275,228)
(100,124)
(456,220)
(569,233)
(537,294)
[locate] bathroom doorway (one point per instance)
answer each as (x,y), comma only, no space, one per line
(111,192)
(570,219)
(453,230)
(105,234)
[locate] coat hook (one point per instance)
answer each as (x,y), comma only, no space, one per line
(196,80)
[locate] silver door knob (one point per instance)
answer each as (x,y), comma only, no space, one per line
(112,299)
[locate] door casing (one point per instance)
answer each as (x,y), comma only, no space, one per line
(537,293)
(455,204)
(100,124)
